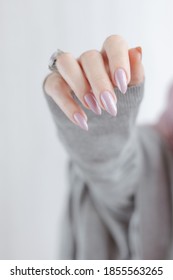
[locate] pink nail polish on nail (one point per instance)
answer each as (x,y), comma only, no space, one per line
(109,103)
(80,120)
(121,80)
(92,103)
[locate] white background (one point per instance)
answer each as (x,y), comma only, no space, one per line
(32,160)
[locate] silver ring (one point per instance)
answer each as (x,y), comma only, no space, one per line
(52,62)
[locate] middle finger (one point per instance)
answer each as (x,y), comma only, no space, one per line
(93,66)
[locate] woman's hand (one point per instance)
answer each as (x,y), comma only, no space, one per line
(93,76)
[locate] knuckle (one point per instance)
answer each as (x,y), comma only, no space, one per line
(114,38)
(101,80)
(65,105)
(138,78)
(63,57)
(98,78)
(116,56)
(47,83)
(90,54)
(54,86)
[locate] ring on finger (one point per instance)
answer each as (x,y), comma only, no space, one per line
(52,62)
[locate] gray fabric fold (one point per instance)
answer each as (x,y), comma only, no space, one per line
(111,186)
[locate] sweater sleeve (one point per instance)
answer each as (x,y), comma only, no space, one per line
(103,174)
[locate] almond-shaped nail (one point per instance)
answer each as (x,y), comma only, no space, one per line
(92,103)
(109,103)
(121,80)
(80,120)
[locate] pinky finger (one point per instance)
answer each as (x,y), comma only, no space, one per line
(137,69)
(60,92)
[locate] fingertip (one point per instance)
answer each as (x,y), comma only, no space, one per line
(136,66)
(139,50)
(135,55)
(80,120)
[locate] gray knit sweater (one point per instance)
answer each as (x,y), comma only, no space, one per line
(120,185)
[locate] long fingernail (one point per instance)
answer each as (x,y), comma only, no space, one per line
(121,80)
(109,103)
(139,49)
(80,120)
(92,103)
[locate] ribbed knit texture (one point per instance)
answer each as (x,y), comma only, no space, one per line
(116,172)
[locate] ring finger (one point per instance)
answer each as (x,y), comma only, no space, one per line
(72,73)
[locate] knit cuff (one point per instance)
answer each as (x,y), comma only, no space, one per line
(133,96)
(130,99)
